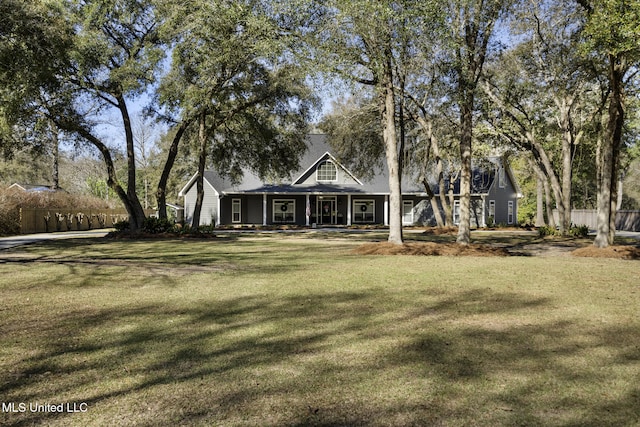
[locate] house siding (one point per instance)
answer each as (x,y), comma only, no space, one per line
(423,212)
(502,197)
(346,190)
(250,209)
(209,211)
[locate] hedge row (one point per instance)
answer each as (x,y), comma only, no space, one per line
(11,200)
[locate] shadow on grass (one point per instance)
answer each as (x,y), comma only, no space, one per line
(325,359)
(92,262)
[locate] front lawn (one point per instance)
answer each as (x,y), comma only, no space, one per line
(292,331)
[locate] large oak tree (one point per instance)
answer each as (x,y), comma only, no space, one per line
(611,34)
(370,43)
(231,80)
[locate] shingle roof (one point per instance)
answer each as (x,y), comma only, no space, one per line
(32,188)
(317,147)
(483,175)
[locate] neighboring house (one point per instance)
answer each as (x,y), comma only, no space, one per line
(324,192)
(31,188)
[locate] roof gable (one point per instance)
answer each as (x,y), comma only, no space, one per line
(343,175)
(210,178)
(484,174)
(484,177)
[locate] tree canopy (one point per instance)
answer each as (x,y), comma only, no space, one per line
(556,80)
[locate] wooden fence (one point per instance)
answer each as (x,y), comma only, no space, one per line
(58,219)
(625,220)
(628,220)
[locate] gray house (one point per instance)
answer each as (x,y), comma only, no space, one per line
(324,192)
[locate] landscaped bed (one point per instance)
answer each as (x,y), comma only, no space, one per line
(544,248)
(430,249)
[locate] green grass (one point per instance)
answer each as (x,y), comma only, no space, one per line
(293,331)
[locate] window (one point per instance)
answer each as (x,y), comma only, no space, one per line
(510,213)
(326,171)
(456,212)
(492,209)
(364,211)
(407,211)
(236,210)
(284,210)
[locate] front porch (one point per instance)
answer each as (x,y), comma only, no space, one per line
(304,209)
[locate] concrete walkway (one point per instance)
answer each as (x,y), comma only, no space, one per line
(26,239)
(631,234)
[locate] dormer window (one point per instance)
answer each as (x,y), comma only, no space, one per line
(326,171)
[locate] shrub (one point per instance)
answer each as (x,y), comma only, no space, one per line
(547,230)
(574,231)
(579,231)
(490,221)
(9,221)
(11,200)
(207,229)
(155,225)
(121,225)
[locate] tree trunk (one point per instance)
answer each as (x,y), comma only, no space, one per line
(202,161)
(434,204)
(544,203)
(136,213)
(545,166)
(567,163)
(427,127)
(447,202)
(543,182)
(466,126)
(476,28)
(391,150)
(112,177)
(55,173)
(551,220)
(619,198)
(161,193)
(440,175)
(609,160)
(539,201)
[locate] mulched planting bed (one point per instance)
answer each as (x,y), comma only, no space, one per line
(614,251)
(430,249)
(485,250)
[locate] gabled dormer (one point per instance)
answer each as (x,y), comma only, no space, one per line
(326,170)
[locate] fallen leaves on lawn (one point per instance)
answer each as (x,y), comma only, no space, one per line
(614,251)
(430,249)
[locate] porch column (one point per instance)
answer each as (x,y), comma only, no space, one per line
(348,209)
(484,212)
(386,210)
(264,209)
(307,209)
(219,212)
